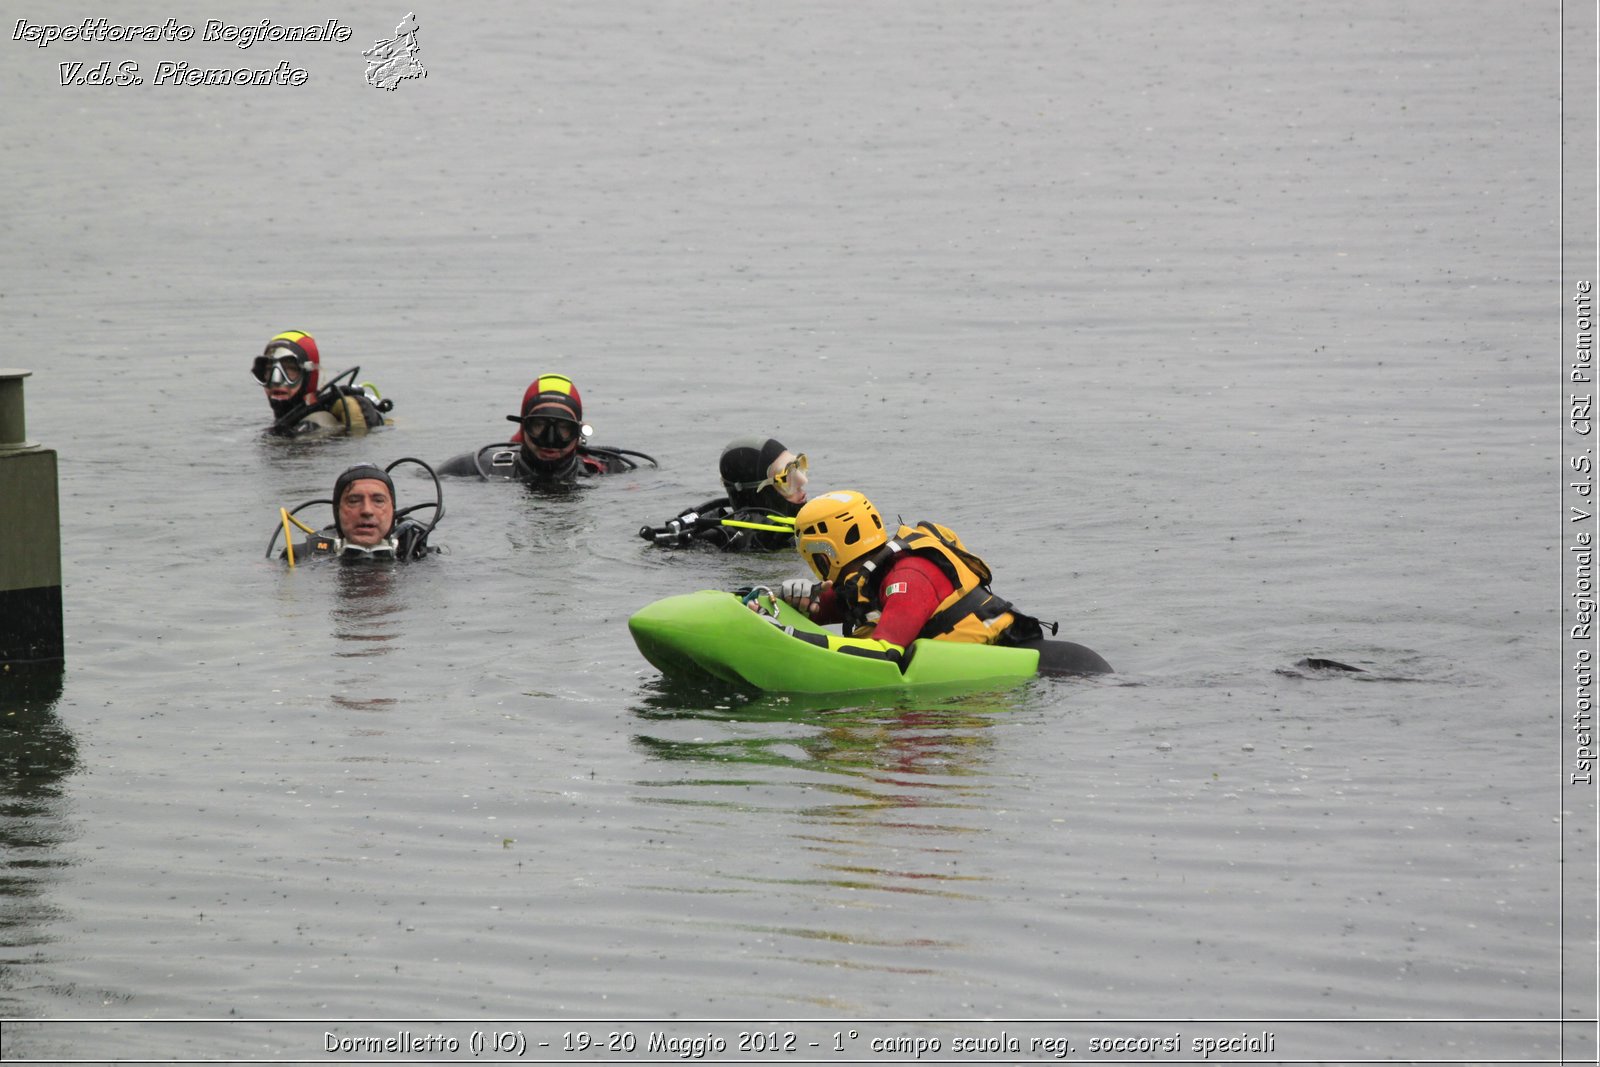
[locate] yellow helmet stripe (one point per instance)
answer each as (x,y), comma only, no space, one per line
(555,383)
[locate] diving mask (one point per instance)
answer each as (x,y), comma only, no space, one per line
(547,432)
(384,549)
(279,370)
(791,480)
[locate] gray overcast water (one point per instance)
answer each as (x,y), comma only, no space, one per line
(1226,335)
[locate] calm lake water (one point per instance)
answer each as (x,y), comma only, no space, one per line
(1228,336)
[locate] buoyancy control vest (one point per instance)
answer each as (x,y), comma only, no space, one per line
(335,407)
(972,613)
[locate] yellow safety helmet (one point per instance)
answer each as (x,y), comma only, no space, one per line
(836,529)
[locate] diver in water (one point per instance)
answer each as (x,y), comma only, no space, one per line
(766,486)
(551,444)
(920,582)
(365,522)
(288,369)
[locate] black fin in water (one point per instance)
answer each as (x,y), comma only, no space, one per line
(1317,663)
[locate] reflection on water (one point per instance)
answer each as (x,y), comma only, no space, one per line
(36,751)
(367,618)
(879,751)
(666,698)
(868,746)
(367,611)
(881,795)
(553,517)
(36,754)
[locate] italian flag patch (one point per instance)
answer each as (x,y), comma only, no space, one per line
(891,590)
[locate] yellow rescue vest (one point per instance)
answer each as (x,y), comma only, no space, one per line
(972,613)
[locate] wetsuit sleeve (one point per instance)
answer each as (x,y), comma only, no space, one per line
(909,595)
(459,466)
(709,528)
(701,523)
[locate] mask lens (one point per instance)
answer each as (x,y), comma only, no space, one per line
(551,433)
(793,474)
(276,370)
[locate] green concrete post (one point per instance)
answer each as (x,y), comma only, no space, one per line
(30,537)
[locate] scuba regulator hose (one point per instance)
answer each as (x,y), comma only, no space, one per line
(411,535)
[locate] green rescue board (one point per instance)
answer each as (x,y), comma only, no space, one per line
(713,633)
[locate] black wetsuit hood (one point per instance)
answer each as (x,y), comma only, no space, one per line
(744,463)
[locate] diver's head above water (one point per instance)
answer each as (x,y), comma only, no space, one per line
(368,522)
(550,426)
(760,472)
(363,505)
(287,369)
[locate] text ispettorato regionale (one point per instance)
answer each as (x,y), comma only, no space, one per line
(104,31)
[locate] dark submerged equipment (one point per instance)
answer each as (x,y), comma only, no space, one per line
(730,529)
